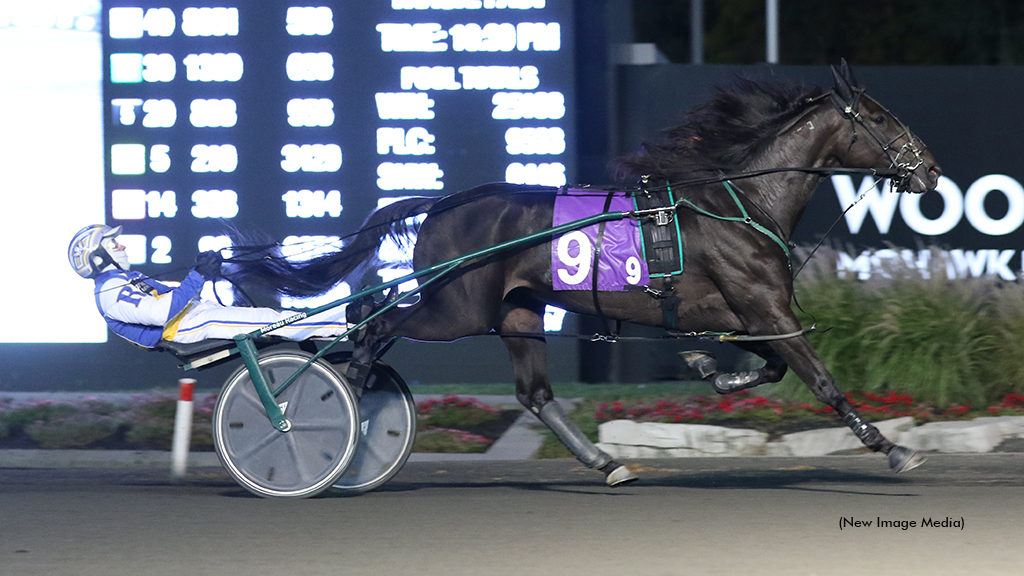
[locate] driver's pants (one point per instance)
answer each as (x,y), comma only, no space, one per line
(208,319)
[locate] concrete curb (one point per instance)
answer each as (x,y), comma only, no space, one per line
(628,439)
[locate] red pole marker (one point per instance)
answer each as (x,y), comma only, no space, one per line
(186,387)
(182,427)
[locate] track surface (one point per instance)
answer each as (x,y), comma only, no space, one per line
(761,516)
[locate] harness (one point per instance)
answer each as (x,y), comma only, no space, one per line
(662,247)
(656,209)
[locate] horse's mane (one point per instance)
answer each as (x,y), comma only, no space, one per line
(723,134)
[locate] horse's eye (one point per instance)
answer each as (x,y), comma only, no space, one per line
(879,119)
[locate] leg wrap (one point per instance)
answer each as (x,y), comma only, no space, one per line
(867,433)
(571,436)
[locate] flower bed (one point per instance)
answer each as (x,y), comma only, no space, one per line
(146,423)
(459,425)
(451,424)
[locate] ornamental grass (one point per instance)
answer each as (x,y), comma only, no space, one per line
(945,342)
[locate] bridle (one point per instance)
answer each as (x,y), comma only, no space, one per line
(906,159)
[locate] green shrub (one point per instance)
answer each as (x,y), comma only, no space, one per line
(1005,363)
(931,339)
(946,342)
(151,423)
(17,419)
(75,430)
(148,423)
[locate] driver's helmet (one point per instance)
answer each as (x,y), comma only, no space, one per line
(88,252)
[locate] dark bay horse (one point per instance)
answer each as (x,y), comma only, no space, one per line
(776,140)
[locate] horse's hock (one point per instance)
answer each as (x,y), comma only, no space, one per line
(628,439)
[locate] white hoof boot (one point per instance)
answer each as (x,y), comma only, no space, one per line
(620,476)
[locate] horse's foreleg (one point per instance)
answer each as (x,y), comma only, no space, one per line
(533,389)
(803,359)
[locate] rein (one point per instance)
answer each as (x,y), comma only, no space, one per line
(670,335)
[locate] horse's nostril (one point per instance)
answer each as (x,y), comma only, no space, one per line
(935,171)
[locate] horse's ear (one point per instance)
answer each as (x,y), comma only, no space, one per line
(847,74)
(842,86)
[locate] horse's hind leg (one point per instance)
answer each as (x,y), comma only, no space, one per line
(438,318)
(728,382)
(533,389)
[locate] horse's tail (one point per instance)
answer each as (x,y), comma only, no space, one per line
(267,270)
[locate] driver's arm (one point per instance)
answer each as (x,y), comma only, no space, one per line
(120,300)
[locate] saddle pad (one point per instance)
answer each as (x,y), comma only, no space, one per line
(621,261)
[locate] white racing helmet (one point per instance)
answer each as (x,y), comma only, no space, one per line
(94,249)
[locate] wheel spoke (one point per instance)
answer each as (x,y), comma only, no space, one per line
(300,463)
(267,440)
(372,449)
(317,425)
(299,390)
(252,400)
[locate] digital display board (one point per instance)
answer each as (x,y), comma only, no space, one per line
(298,120)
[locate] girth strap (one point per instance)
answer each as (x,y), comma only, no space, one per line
(660,232)
(596,266)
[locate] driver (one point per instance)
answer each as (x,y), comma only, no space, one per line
(145,311)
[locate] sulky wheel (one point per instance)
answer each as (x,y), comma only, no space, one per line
(387,415)
(303,461)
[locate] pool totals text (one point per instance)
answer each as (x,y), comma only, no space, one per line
(300,120)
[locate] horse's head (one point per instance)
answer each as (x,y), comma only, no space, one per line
(877,139)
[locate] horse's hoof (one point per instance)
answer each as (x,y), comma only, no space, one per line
(735,381)
(902,459)
(702,361)
(620,477)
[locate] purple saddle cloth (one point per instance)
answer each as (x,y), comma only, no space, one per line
(621,261)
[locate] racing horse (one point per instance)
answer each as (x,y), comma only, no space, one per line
(755,150)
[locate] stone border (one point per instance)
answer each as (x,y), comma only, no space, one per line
(628,439)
